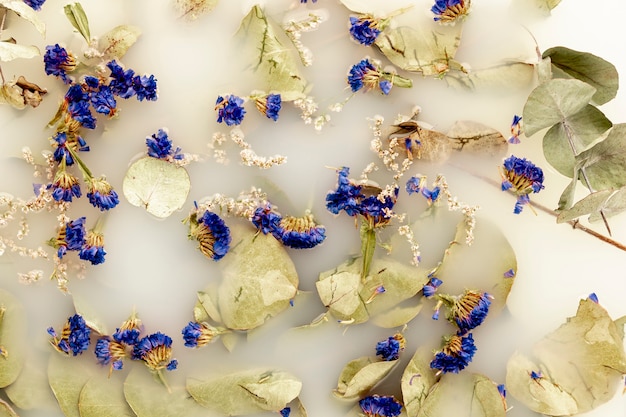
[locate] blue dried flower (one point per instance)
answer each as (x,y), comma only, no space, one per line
(522,177)
(363,74)
(70,237)
(430,288)
(287,410)
(509,274)
(212,234)
(121,81)
(64,186)
(269,105)
(101,194)
(380,406)
(377,212)
(74,338)
(58,62)
(61,151)
(93,249)
(390,348)
(160,146)
(230,110)
(35,4)
(266,219)
(156,352)
(456,354)
(79,107)
(364,29)
(145,87)
(447,11)
(198,334)
(103,100)
(516,129)
(470,310)
(299,232)
(111,352)
(346,197)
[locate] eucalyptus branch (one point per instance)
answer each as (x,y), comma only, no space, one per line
(574,223)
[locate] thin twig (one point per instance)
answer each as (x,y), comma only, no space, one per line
(4,12)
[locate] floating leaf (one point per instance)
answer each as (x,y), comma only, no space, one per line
(31,389)
(417,380)
(361,375)
(115,43)
(353,300)
(25,12)
(544,70)
(6,410)
(149,398)
(66,377)
(604,163)
(616,204)
(421,50)
(78,18)
(277,62)
(578,132)
(582,363)
(505,76)
(546,5)
(473,137)
(592,203)
(86,310)
(10,51)
(11,94)
(554,101)
(258,280)
(205,309)
(157,185)
(193,9)
(246,392)
(586,67)
(12,337)
(103,396)
(473,394)
(398,316)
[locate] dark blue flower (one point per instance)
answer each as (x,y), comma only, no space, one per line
(103,101)
(145,87)
(266,219)
(74,338)
(594,297)
(65,186)
(287,410)
(509,274)
(121,81)
(455,355)
(522,177)
(385,86)
(212,234)
(299,232)
(390,348)
(380,406)
(80,110)
(111,352)
(35,4)
(93,249)
(58,62)
(160,146)
(516,129)
(156,352)
(536,375)
(447,11)
(230,110)
(346,197)
(413,185)
(269,105)
(364,29)
(430,288)
(470,309)
(363,74)
(61,152)
(75,234)
(101,194)
(198,334)
(378,210)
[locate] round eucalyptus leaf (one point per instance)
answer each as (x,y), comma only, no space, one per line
(12,337)
(360,375)
(6,410)
(592,203)
(399,315)
(578,131)
(515,75)
(157,185)
(616,204)
(245,392)
(67,377)
(586,67)
(116,42)
(31,390)
(605,162)
(554,101)
(193,9)
(417,380)
(103,396)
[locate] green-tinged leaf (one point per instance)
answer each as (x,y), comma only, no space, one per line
(582,365)
(592,203)
(25,12)
(515,75)
(103,396)
(604,163)
(544,70)
(420,49)
(467,267)
(12,337)
(6,410)
(472,137)
(205,309)
(554,101)
(258,280)
(595,71)
(157,185)
(66,377)
(31,389)
(193,9)
(566,200)
(361,375)
(616,204)
(352,300)
(245,392)
(417,380)
(578,132)
(368,247)
(474,395)
(148,397)
(398,316)
(78,18)
(86,310)
(116,42)
(274,59)
(10,51)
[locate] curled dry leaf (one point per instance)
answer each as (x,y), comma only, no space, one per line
(103,396)
(361,375)
(66,377)
(25,12)
(417,380)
